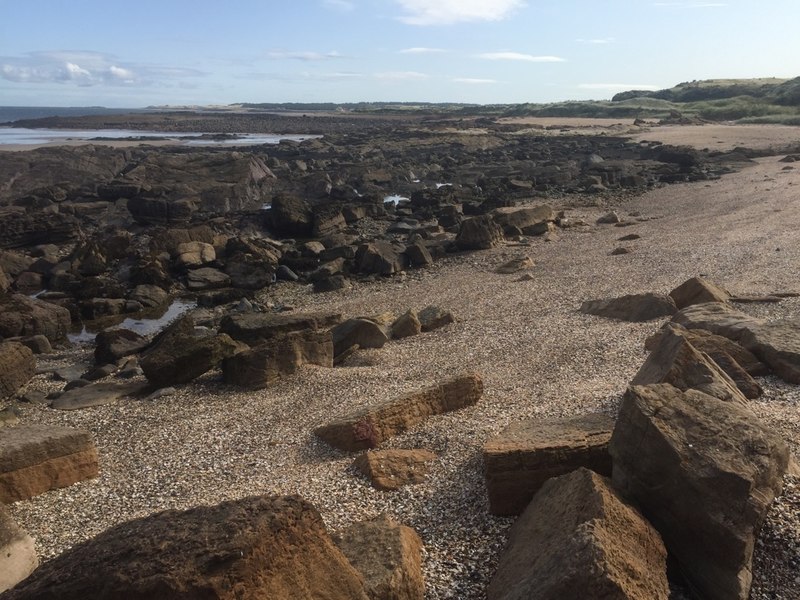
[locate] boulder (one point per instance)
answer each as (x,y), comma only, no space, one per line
(704,472)
(332,283)
(18,557)
(364,333)
(193,255)
(677,362)
(391,469)
(433,317)
(369,426)
(37,458)
(418,255)
(149,296)
(515,265)
(17,367)
(180,357)
(611,218)
(38,344)
(207,278)
(380,258)
(113,344)
(578,539)
(21,315)
(95,394)
(633,307)
(406,325)
(290,215)
(697,291)
(479,233)
(161,210)
(718,318)
(283,355)
(327,222)
(257,547)
(528,453)
(514,218)
(251,264)
(388,556)
(255,328)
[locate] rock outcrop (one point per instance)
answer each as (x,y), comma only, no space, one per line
(368,427)
(17,367)
(633,307)
(704,472)
(37,458)
(578,539)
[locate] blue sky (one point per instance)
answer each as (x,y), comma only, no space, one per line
(131,54)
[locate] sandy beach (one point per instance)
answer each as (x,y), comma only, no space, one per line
(538,355)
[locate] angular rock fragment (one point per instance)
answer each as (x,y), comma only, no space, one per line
(578,539)
(258,547)
(113,344)
(96,394)
(364,333)
(392,469)
(527,453)
(704,472)
(17,367)
(37,458)
(18,556)
(434,317)
(479,233)
(515,265)
(369,426)
(698,291)
(388,555)
(633,307)
(406,325)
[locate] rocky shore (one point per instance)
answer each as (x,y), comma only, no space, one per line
(334,304)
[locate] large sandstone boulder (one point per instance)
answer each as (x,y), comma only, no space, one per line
(380,258)
(677,362)
(578,539)
(18,556)
(180,355)
(283,355)
(697,291)
(633,307)
(207,278)
(704,472)
(391,469)
(523,219)
(363,333)
(479,233)
(388,555)
(37,458)
(17,367)
(433,317)
(259,547)
(368,427)
(21,316)
(250,263)
(717,318)
(527,453)
(255,328)
(290,215)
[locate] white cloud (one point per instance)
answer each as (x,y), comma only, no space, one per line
(624,87)
(86,69)
(305,56)
(520,57)
(599,41)
(401,76)
(448,12)
(423,51)
(690,4)
(473,80)
(343,5)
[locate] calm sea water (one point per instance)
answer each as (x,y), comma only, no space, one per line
(15,113)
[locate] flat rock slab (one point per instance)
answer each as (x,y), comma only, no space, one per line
(633,307)
(96,394)
(389,557)
(392,469)
(577,540)
(37,458)
(17,553)
(256,328)
(258,547)
(704,472)
(717,318)
(368,427)
(526,454)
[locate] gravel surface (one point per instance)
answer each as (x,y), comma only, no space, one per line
(538,357)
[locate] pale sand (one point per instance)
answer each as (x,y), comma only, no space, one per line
(723,137)
(538,355)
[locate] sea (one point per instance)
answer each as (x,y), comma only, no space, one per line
(23,136)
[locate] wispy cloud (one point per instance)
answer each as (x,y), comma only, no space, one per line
(518,56)
(401,76)
(611,87)
(473,80)
(304,56)
(448,12)
(87,69)
(422,51)
(690,4)
(598,41)
(342,5)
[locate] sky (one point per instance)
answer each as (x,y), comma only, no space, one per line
(198,52)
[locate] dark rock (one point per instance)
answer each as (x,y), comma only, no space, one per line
(291,216)
(379,258)
(418,255)
(161,211)
(23,316)
(634,307)
(96,394)
(332,284)
(207,278)
(579,539)
(251,264)
(254,329)
(284,273)
(361,332)
(434,317)
(150,296)
(113,344)
(17,367)
(705,473)
(479,233)
(257,547)
(38,344)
